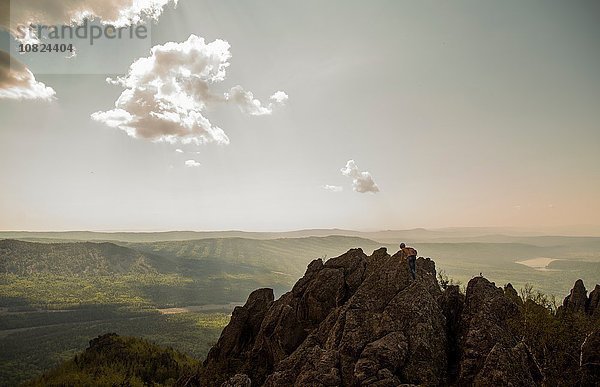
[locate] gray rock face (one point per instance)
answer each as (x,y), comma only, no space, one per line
(355,319)
(231,352)
(378,333)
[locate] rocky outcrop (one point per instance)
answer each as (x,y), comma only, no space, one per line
(380,335)
(577,300)
(511,293)
(359,320)
(490,352)
(231,353)
(354,320)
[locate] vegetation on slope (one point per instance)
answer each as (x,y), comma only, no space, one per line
(112,360)
(34,342)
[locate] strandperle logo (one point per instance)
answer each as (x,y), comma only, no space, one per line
(85,31)
(87,47)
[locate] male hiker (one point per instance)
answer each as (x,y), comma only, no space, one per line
(411,255)
(412,264)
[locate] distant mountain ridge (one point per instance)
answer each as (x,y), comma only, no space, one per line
(194,257)
(72,259)
(455,234)
(279,261)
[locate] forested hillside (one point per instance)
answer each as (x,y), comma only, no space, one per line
(74,259)
(112,360)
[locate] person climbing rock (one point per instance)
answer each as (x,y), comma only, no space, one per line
(412,264)
(411,257)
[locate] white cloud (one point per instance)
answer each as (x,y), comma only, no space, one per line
(166,94)
(17,82)
(192,163)
(178,150)
(65,12)
(362,181)
(333,188)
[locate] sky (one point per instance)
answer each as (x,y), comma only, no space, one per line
(392,115)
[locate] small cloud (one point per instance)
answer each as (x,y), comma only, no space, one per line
(249,105)
(332,188)
(279,98)
(178,150)
(192,164)
(362,181)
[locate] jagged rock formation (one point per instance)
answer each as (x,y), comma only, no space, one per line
(578,301)
(361,320)
(490,352)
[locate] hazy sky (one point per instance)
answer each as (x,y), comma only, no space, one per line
(472,113)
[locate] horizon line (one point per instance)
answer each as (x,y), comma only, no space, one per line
(533,228)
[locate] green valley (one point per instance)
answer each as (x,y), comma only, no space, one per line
(58,293)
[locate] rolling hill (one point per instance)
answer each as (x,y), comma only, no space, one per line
(74,259)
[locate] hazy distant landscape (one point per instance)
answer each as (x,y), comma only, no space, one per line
(59,290)
(183,175)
